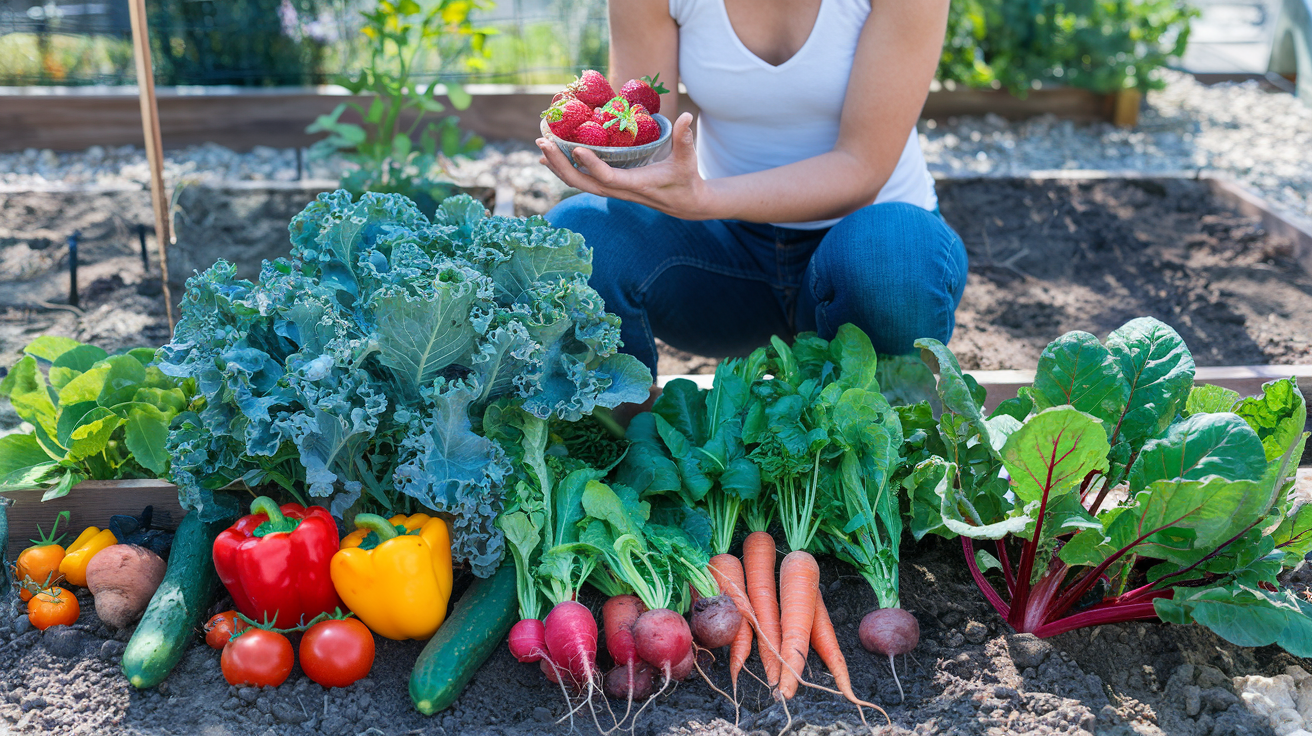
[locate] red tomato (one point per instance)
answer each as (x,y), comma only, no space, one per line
(337,652)
(257,658)
(220,628)
(54,607)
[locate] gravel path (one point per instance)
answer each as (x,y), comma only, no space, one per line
(1261,138)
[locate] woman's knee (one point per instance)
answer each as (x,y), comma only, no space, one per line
(896,270)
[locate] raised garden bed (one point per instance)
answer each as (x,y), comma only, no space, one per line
(72,119)
(89,503)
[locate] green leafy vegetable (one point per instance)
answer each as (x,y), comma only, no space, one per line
(362,371)
(93,415)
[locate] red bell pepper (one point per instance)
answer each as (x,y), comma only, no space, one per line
(275,562)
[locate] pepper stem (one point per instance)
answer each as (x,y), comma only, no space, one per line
(376,524)
(276,523)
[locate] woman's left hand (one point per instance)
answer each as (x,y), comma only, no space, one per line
(672,186)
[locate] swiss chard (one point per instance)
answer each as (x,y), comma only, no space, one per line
(94,416)
(1113,490)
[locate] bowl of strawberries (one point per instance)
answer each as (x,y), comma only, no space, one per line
(625,130)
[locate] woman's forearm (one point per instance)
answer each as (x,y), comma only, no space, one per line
(833,184)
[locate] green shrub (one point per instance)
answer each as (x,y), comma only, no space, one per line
(1101,45)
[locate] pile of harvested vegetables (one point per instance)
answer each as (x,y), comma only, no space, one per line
(405,401)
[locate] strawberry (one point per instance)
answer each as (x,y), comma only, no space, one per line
(609,111)
(646,91)
(566,115)
(590,134)
(621,137)
(564,94)
(648,129)
(622,124)
(592,88)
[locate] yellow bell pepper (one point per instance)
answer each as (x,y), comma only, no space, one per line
(78,554)
(399,585)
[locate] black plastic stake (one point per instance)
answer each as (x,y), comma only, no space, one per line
(72,267)
(299,168)
(145,259)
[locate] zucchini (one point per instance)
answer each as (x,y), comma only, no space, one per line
(479,624)
(175,610)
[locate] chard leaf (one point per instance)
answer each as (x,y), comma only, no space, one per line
(953,389)
(1209,399)
(1076,369)
(147,435)
(905,380)
(23,462)
(49,347)
(74,362)
(1160,372)
(852,351)
(1278,416)
(1293,536)
(1173,516)
(683,407)
(1247,617)
(1052,453)
(32,399)
(1202,445)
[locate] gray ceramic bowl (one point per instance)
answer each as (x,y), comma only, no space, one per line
(620,157)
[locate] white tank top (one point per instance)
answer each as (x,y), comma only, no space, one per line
(730,84)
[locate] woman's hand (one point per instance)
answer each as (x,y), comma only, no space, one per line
(672,186)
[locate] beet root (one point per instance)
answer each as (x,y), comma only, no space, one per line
(715,621)
(630,681)
(683,670)
(889,631)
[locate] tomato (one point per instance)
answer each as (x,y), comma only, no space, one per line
(53,607)
(40,564)
(220,628)
(337,652)
(257,658)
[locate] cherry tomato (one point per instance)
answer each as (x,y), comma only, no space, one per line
(337,652)
(53,607)
(40,564)
(220,628)
(257,658)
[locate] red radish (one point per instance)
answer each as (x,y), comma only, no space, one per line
(592,88)
(563,117)
(890,632)
(618,616)
(646,91)
(630,681)
(715,621)
(663,639)
(549,671)
(528,640)
(590,134)
(571,635)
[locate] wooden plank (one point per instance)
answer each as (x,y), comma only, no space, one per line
(90,503)
(1279,220)
(72,119)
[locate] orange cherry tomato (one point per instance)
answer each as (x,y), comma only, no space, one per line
(220,628)
(53,607)
(257,658)
(337,652)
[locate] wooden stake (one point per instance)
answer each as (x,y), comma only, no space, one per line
(154,149)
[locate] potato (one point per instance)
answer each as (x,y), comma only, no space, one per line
(123,578)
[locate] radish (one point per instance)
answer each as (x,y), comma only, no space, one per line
(663,640)
(618,617)
(890,632)
(571,636)
(528,640)
(715,621)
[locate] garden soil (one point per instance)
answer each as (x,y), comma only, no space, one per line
(970,675)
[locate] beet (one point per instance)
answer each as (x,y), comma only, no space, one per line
(662,638)
(715,621)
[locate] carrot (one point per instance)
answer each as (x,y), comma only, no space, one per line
(728,573)
(758,567)
(799,585)
(824,640)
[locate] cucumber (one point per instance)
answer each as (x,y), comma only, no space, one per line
(175,610)
(479,624)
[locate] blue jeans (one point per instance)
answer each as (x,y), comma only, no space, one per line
(722,287)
